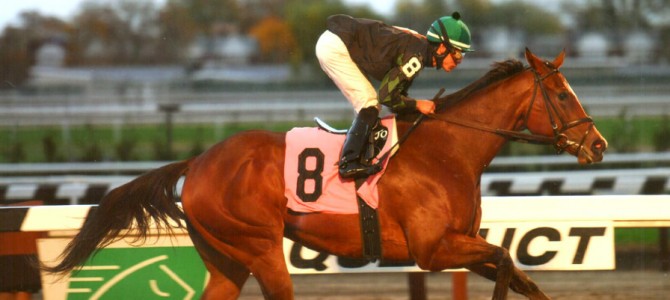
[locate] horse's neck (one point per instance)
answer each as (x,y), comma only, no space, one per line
(500,107)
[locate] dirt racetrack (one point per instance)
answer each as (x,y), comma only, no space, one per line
(600,285)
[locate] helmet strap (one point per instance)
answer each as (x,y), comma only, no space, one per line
(439,58)
(445,38)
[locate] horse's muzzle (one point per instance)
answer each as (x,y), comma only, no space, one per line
(594,153)
(598,147)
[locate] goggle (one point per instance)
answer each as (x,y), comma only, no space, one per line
(456,54)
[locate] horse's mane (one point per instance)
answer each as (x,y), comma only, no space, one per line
(499,71)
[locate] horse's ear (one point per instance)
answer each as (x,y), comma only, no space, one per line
(536,62)
(533,60)
(558,61)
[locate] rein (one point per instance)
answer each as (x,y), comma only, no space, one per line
(560,141)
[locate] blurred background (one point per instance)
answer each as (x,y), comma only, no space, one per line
(95,92)
(127,80)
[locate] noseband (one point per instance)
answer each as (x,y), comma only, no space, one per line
(559,140)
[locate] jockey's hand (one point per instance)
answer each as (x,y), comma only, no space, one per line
(426,107)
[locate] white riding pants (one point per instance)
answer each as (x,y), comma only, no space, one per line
(336,62)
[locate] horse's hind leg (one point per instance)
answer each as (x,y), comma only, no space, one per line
(226,275)
(226,279)
(272,274)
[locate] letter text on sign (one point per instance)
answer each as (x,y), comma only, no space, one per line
(555,245)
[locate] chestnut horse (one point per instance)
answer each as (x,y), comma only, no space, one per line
(235,209)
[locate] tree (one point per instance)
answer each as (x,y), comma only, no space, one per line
(275,39)
(98,35)
(308,20)
(419,16)
(140,29)
(19,45)
(476,13)
(183,21)
(254,11)
(209,15)
(618,18)
(530,19)
(15,60)
(124,31)
(177,30)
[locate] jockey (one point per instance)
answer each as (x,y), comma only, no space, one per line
(353,49)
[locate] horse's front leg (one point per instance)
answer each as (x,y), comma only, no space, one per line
(520,283)
(455,250)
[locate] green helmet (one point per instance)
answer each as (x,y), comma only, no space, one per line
(457,32)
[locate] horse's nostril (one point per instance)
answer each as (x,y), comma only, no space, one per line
(598,146)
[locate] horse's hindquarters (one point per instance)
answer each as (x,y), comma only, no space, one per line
(233,198)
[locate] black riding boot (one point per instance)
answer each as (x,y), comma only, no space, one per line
(351,164)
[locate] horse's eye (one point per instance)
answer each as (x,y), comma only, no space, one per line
(562,96)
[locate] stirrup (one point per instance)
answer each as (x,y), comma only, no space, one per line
(359,171)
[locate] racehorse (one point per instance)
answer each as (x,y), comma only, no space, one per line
(429,212)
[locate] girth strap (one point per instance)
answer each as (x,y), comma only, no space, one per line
(372,242)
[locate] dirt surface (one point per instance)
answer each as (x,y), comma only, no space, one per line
(629,284)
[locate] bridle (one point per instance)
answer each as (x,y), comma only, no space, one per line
(559,140)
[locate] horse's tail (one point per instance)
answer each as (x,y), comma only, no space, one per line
(148,200)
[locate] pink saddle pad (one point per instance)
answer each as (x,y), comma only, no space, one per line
(311,172)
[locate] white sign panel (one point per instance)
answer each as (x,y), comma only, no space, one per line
(532,245)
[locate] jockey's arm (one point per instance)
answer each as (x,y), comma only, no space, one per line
(393,89)
(393,92)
